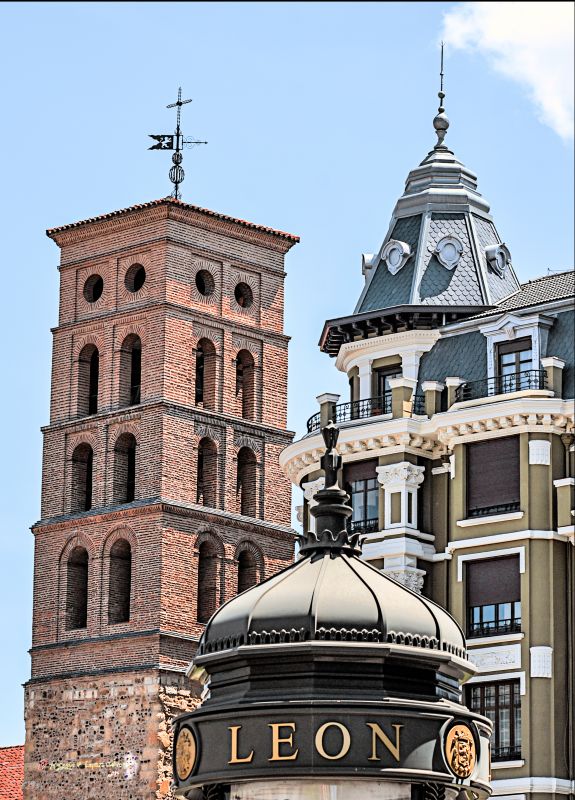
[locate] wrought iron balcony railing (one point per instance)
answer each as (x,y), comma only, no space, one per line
(505,753)
(494,628)
(501,384)
(418,403)
(358,409)
(363,525)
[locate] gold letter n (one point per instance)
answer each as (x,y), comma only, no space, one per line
(377,733)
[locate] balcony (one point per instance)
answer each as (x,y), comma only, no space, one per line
(498,627)
(418,404)
(358,409)
(501,384)
(363,525)
(505,753)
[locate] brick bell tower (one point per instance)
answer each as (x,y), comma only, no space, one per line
(162,496)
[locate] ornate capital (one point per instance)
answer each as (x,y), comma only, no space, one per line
(401,474)
(310,489)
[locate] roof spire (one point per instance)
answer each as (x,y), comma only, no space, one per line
(440,121)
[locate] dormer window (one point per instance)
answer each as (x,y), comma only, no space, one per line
(395,255)
(448,251)
(498,258)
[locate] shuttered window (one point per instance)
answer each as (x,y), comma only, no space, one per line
(493,596)
(493,477)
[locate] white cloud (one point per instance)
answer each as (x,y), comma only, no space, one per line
(529,42)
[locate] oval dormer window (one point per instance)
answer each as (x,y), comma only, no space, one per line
(395,254)
(448,251)
(498,258)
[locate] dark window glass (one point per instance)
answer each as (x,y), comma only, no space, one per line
(381,379)
(501,703)
(77,589)
(362,486)
(493,477)
(93,385)
(513,358)
(135,375)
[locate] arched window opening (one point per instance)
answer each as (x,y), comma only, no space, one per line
(77,589)
(82,476)
(207,474)
(131,371)
(88,378)
(125,468)
(247,570)
(205,374)
(245,385)
(246,482)
(207,581)
(120,582)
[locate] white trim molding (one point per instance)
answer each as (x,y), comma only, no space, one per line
(552,361)
(502,638)
(508,765)
(548,786)
(508,551)
(505,538)
(500,676)
(409,345)
(467,523)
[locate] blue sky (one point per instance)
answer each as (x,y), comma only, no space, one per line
(314,115)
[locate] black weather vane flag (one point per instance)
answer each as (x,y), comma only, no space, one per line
(175,141)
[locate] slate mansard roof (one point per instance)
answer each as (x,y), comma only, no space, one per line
(546,289)
(440,200)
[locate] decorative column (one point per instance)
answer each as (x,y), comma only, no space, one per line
(327,403)
(364,369)
(401,392)
(452,384)
(432,391)
(401,483)
(554,370)
(309,490)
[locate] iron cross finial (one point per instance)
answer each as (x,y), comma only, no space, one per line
(175,142)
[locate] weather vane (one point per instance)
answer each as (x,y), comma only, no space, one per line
(441,122)
(176,142)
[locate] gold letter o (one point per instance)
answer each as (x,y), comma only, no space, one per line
(345,745)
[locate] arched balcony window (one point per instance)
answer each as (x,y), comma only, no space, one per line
(88,380)
(245,384)
(207,473)
(120,583)
(205,374)
(131,371)
(207,581)
(77,589)
(125,468)
(82,477)
(246,482)
(247,570)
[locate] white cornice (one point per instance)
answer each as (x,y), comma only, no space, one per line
(394,344)
(546,786)
(433,437)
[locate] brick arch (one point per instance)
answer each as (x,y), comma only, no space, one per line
(208,453)
(210,536)
(124,427)
(248,546)
(205,372)
(135,329)
(95,338)
(82,437)
(247,481)
(78,539)
(119,532)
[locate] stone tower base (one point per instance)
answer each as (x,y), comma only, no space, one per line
(107,736)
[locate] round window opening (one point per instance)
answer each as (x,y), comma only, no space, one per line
(205,282)
(93,288)
(135,278)
(244,295)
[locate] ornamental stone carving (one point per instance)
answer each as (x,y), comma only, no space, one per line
(412,578)
(401,473)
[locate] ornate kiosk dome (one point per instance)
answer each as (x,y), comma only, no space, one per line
(331,679)
(331,595)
